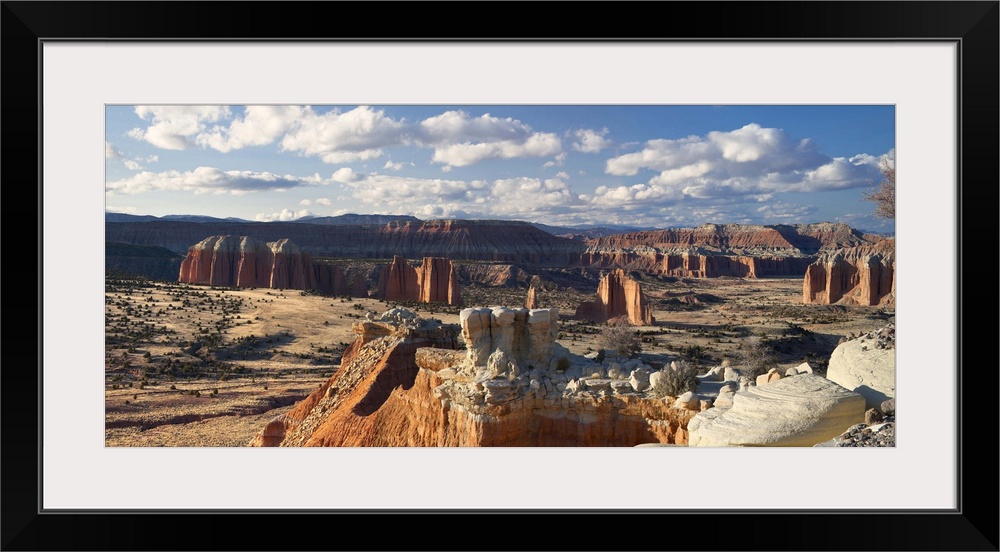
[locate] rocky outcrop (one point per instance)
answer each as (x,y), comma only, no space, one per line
(618,295)
(863,275)
(798,411)
(735,239)
(492,274)
(400,385)
(435,281)
(531,301)
(241,261)
(867,365)
(714,250)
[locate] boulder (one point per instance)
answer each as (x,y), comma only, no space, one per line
(861,367)
(791,412)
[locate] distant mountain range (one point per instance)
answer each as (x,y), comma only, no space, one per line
(588,231)
(122,217)
(581,232)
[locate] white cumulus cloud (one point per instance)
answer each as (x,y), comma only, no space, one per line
(460,140)
(205,180)
(335,137)
(557,161)
(259,125)
(748,161)
(590,141)
(176,127)
(345,174)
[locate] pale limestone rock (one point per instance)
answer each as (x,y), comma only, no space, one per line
(724,400)
(731,374)
(791,412)
(865,369)
(615,371)
(791,372)
(502,328)
(772,375)
(499,391)
(476,333)
(654,378)
(804,368)
(716,373)
(621,386)
(689,400)
(639,379)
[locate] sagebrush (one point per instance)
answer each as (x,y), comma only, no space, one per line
(619,336)
(756,357)
(674,382)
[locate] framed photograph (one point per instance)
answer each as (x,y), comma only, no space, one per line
(909,86)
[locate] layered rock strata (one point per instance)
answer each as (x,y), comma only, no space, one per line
(705,251)
(512,386)
(618,295)
(797,411)
(863,275)
(434,281)
(245,262)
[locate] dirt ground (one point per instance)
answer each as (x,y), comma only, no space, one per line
(196,366)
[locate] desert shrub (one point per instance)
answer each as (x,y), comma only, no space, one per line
(619,336)
(562,364)
(755,358)
(673,383)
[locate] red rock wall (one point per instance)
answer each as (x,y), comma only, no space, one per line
(864,275)
(244,262)
(398,281)
(618,295)
(434,281)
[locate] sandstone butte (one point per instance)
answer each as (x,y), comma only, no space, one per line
(401,383)
(245,262)
(434,281)
(861,275)
(618,295)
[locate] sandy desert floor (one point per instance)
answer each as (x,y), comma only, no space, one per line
(198,366)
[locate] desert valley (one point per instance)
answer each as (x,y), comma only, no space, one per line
(377,330)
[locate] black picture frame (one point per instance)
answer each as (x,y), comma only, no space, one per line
(973,525)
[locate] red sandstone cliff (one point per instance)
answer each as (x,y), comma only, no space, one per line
(713,250)
(618,295)
(245,262)
(435,281)
(863,275)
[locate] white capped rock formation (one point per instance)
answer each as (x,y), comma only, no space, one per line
(861,366)
(792,412)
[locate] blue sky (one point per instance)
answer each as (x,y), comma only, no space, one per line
(643,165)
